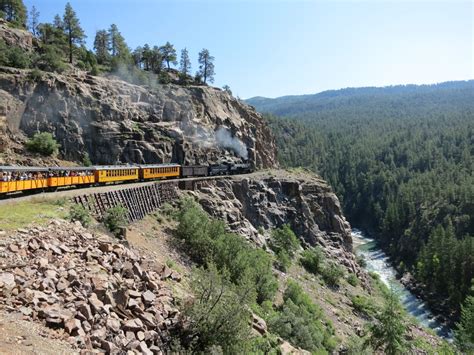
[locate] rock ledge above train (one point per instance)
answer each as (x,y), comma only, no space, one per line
(114,121)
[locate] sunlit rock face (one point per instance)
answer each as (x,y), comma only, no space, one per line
(255,204)
(117,122)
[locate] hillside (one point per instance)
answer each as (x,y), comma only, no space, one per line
(401,160)
(397,101)
(253,263)
(111,120)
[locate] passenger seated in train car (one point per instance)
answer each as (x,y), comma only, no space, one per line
(8,176)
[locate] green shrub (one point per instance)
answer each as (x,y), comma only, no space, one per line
(18,58)
(50,59)
(356,346)
(352,279)
(206,240)
(94,70)
(13,56)
(332,274)
(43,143)
(35,75)
(284,239)
(86,160)
(217,317)
(283,260)
(115,219)
(164,78)
(312,259)
(363,305)
(267,344)
(361,261)
(169,211)
(79,213)
(301,322)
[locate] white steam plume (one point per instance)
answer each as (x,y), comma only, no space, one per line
(225,139)
(221,138)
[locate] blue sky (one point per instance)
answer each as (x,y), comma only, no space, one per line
(275,48)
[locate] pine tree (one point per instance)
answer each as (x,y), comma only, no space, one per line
(168,53)
(58,22)
(101,46)
(118,47)
(146,57)
(227,89)
(388,333)
(14,11)
(137,56)
(206,66)
(34,20)
(465,327)
(156,60)
(72,28)
(185,63)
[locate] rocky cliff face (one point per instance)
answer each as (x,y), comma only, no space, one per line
(115,121)
(262,201)
(15,36)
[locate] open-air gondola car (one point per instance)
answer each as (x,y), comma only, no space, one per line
(19,178)
(66,176)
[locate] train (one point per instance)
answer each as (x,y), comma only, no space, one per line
(17,179)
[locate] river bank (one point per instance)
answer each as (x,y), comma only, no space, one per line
(378,262)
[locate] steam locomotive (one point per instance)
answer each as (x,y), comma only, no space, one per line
(31,179)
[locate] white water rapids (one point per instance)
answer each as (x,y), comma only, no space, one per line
(378,262)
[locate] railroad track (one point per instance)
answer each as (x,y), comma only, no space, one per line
(72,192)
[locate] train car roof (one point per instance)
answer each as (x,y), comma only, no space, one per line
(23,168)
(114,167)
(152,166)
(71,168)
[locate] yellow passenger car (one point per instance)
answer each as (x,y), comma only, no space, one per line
(116,173)
(19,178)
(68,176)
(159,171)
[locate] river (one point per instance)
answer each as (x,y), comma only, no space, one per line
(378,262)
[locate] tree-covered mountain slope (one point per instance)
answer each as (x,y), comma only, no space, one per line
(401,160)
(370,100)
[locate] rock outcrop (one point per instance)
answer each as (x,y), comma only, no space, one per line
(114,121)
(15,37)
(96,293)
(266,200)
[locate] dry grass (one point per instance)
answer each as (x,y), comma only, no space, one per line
(37,211)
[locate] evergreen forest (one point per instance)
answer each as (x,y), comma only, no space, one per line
(401,161)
